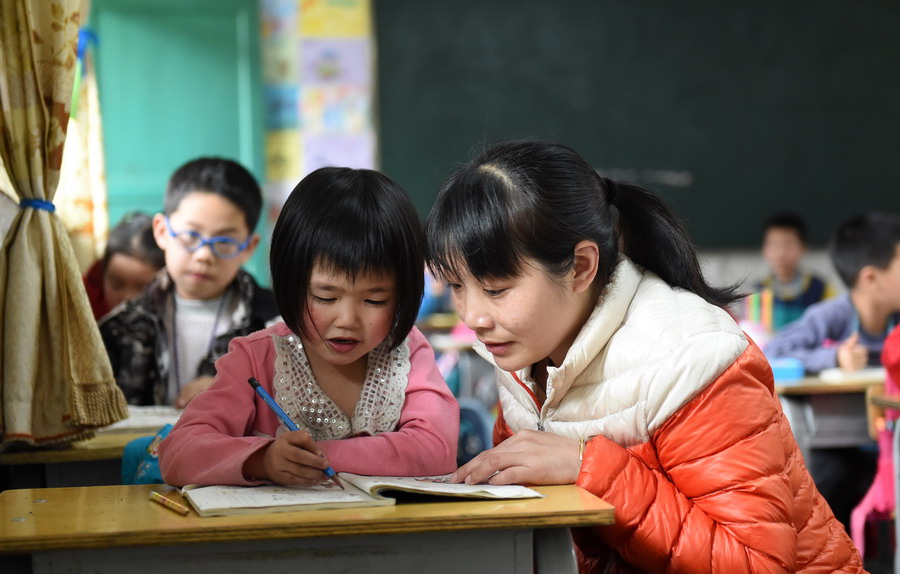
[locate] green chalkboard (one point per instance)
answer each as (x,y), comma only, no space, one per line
(730,109)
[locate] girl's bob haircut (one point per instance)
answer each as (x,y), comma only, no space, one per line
(354,221)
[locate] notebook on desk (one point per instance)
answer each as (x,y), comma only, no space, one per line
(147,419)
(359,491)
(837,375)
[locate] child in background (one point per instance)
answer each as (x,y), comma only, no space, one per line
(848,331)
(129,262)
(346,364)
(164,343)
(793,288)
(620,371)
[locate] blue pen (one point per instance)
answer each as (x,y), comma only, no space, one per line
(285,420)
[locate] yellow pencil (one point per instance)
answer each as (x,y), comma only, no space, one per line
(169,503)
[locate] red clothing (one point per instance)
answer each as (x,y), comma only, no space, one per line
(225,424)
(686,439)
(93,284)
(746,504)
(890,355)
(879,503)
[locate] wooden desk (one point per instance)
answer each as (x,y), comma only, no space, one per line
(827,414)
(114,529)
(91,462)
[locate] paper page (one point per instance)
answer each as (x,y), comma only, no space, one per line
(837,375)
(145,418)
(439,485)
(210,500)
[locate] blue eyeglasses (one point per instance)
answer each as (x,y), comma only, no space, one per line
(222,247)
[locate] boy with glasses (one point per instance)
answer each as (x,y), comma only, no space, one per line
(164,343)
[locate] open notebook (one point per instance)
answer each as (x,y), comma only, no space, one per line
(868,374)
(145,419)
(360,491)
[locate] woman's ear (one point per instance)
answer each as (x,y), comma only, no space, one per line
(586,265)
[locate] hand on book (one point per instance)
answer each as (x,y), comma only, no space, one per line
(292,458)
(528,457)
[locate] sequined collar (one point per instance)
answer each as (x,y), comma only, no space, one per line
(380,400)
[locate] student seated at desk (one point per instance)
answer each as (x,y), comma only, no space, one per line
(164,343)
(793,289)
(620,370)
(346,365)
(848,331)
(129,263)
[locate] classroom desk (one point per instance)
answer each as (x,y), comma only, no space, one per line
(95,461)
(115,529)
(91,462)
(893,402)
(826,414)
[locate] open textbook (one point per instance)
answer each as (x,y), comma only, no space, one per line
(145,419)
(360,491)
(868,374)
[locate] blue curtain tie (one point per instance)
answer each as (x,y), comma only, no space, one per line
(38,204)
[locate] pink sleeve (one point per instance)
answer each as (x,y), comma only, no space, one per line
(217,431)
(425,441)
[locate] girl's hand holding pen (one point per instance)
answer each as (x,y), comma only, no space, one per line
(292,458)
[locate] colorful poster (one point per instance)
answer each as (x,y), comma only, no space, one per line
(336,61)
(278,17)
(318,92)
(281,107)
(283,155)
(279,55)
(277,193)
(346,150)
(335,109)
(335,18)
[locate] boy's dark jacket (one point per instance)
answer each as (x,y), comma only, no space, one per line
(136,334)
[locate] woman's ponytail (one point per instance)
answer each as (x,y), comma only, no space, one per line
(654,238)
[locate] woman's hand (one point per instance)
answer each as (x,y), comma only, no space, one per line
(528,457)
(292,458)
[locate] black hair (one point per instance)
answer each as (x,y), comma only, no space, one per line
(788,220)
(861,240)
(355,221)
(536,200)
(219,176)
(133,236)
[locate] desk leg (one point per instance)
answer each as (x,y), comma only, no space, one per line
(554,551)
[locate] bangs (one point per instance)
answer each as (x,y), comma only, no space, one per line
(347,245)
(471,228)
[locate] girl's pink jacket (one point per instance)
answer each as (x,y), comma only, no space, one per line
(223,425)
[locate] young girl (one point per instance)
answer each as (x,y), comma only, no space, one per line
(619,371)
(130,261)
(346,365)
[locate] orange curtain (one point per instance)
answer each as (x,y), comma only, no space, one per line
(56,382)
(81,199)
